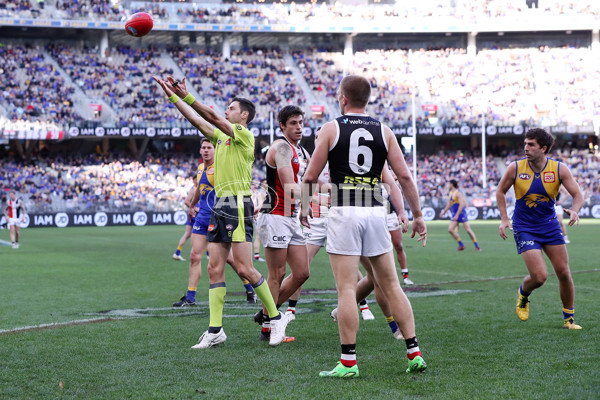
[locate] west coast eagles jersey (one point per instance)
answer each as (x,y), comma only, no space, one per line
(535,194)
(206,181)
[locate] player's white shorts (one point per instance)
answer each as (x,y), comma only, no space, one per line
(559,210)
(358,231)
(277,231)
(392,221)
(317,233)
(13,222)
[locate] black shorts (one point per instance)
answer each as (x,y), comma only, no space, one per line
(231,220)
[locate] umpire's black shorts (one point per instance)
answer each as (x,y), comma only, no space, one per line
(231,220)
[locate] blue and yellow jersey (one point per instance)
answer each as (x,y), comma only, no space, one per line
(454,203)
(205,178)
(535,194)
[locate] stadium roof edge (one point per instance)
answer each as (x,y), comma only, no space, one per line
(424,25)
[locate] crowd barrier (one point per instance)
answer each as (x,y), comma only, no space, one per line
(143,218)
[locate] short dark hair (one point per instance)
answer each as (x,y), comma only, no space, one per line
(288,112)
(246,105)
(204,140)
(542,137)
(454,183)
(357,90)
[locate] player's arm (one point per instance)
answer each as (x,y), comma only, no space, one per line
(569,182)
(189,197)
(190,113)
(24,211)
(210,115)
(409,189)
(503,186)
(193,201)
(317,163)
(396,197)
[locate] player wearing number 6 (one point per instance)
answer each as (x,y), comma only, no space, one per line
(357,147)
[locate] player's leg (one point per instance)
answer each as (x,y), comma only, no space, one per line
(186,235)
(297,258)
(396,236)
(453,231)
(276,263)
(13,229)
(560,262)
(471,234)
(345,271)
(363,303)
(242,253)
(250,295)
(256,246)
(366,286)
(384,272)
(311,252)
(537,275)
(17,234)
(199,245)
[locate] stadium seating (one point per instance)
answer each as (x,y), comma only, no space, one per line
(77,183)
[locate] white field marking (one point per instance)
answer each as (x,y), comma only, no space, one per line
(113,315)
(5,243)
(55,325)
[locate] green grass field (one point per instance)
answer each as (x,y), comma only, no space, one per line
(86,314)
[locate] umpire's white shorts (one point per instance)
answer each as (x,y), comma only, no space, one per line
(356,231)
(277,231)
(317,233)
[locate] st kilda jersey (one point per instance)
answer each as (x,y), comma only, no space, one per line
(277,201)
(14,208)
(356,161)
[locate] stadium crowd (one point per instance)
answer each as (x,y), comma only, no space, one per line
(258,74)
(122,80)
(32,89)
(301,13)
(77,183)
(528,86)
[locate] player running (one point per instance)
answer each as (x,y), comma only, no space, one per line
(458,206)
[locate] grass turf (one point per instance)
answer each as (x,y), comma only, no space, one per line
(140,348)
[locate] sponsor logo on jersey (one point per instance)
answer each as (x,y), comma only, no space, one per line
(211,228)
(524,176)
(229,227)
(549,177)
(228,142)
(239,127)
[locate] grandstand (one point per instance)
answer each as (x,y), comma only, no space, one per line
(78,99)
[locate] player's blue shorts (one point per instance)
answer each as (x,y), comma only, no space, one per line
(201,224)
(530,240)
(462,218)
